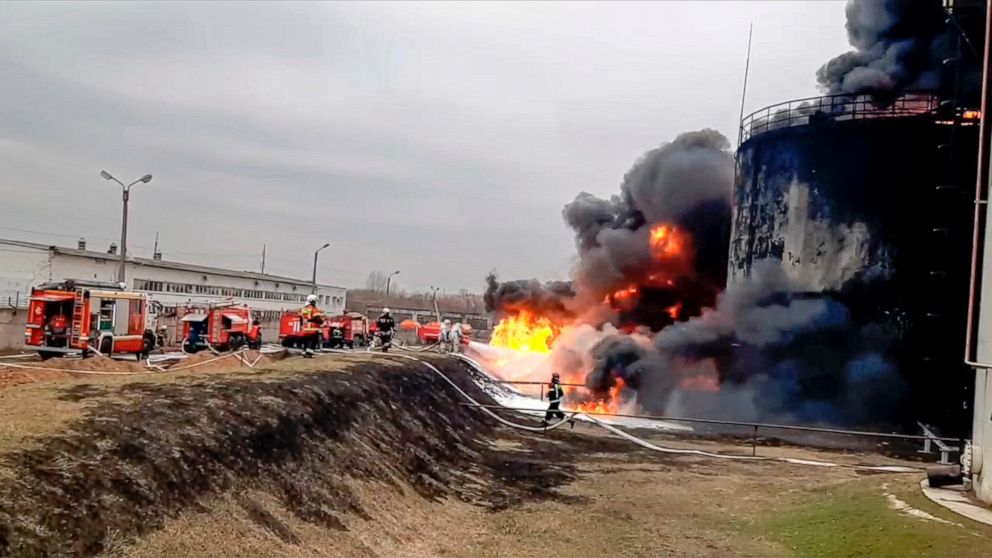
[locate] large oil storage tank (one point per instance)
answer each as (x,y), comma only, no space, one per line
(870,204)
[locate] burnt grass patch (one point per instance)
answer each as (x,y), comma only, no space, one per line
(146,452)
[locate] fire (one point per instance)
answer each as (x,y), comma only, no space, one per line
(625,298)
(609,405)
(526,332)
(673,311)
(668,242)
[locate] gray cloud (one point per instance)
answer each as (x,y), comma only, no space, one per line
(380,127)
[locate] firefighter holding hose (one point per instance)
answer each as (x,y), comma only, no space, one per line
(312,319)
(385,326)
(555,395)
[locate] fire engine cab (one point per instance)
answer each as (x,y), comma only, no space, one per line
(221,325)
(350,329)
(80,317)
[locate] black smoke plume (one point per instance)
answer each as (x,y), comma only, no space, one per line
(686,182)
(898,45)
(775,354)
(549,299)
(758,350)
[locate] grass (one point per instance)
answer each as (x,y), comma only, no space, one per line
(854,519)
(34,411)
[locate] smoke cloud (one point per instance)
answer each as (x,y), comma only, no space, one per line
(681,344)
(765,352)
(673,183)
(898,45)
(548,299)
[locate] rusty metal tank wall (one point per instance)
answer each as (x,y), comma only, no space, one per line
(875,213)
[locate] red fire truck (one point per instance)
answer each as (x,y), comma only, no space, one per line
(294,333)
(221,325)
(350,329)
(80,317)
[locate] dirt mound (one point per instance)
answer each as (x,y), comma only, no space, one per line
(148,451)
(95,363)
(11,377)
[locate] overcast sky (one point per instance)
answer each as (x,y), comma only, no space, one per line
(438,139)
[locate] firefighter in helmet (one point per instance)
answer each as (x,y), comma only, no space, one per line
(312,319)
(385,326)
(444,337)
(455,338)
(555,395)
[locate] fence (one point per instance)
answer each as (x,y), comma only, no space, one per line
(928,437)
(799,112)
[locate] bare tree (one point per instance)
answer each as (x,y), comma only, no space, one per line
(376,282)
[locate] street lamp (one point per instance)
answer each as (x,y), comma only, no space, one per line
(315,266)
(126,195)
(388,279)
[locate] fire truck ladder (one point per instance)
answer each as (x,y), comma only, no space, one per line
(78,308)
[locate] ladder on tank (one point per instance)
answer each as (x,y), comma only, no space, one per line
(78,315)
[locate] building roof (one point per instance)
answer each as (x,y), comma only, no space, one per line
(165,264)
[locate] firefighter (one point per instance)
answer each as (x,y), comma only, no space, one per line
(555,395)
(255,335)
(384,327)
(312,318)
(444,338)
(455,338)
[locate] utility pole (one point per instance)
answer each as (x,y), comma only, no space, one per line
(263,259)
(437,312)
(388,279)
(315,254)
(126,196)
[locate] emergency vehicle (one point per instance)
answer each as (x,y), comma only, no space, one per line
(221,325)
(294,333)
(75,317)
(347,330)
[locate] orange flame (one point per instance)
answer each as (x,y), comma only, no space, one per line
(668,242)
(625,298)
(525,331)
(607,405)
(673,311)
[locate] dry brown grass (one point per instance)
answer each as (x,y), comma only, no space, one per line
(635,504)
(37,407)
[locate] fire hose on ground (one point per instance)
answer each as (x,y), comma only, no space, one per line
(475,404)
(152,365)
(630,437)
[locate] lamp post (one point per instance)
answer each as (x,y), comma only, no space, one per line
(315,254)
(388,279)
(126,195)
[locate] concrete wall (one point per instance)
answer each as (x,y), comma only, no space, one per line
(12,324)
(19,269)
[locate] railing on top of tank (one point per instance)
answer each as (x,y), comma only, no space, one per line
(799,112)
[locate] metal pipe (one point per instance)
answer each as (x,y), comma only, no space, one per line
(534,383)
(981,186)
(737,423)
(313,288)
(389,280)
(122,272)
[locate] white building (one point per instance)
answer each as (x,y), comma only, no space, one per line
(170,284)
